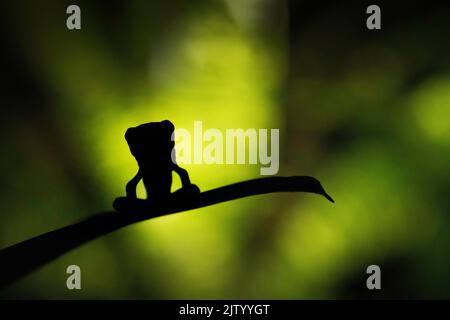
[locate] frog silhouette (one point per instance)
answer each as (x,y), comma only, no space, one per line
(152,146)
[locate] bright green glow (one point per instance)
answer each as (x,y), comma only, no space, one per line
(431,106)
(214,74)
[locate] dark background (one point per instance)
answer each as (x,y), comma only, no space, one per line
(366,112)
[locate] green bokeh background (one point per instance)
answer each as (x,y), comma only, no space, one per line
(366,112)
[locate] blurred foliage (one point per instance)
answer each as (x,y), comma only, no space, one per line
(365,112)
